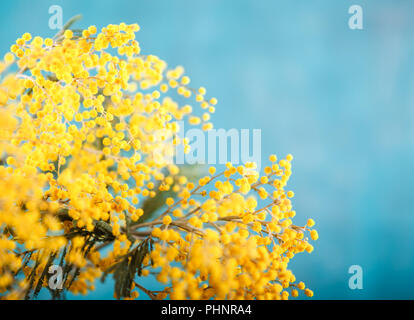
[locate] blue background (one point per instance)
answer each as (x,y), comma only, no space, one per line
(340,100)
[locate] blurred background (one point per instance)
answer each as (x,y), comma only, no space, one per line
(340,100)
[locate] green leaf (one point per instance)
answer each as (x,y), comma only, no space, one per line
(152,205)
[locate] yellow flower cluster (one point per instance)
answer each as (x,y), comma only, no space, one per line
(81,153)
(232,248)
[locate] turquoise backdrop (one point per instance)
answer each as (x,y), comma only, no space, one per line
(340,100)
